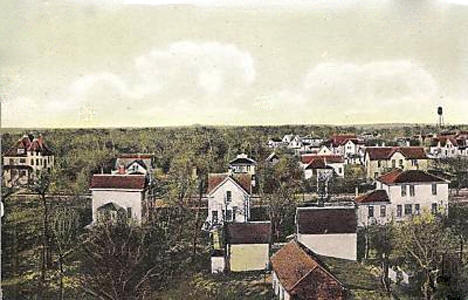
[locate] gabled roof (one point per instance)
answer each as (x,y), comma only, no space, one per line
(244,181)
(25,143)
(242,159)
(122,182)
(249,233)
(299,272)
(139,162)
(326,220)
(385,153)
(397,176)
(373,196)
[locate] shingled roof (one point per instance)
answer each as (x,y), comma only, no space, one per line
(304,276)
(373,196)
(123,182)
(244,180)
(397,176)
(249,233)
(323,220)
(25,144)
(385,153)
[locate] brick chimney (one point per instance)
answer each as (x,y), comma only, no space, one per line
(121,170)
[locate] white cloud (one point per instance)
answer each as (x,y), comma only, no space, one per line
(183,78)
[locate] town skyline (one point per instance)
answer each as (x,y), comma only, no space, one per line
(166,63)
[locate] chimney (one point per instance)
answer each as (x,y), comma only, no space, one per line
(121,170)
(408,143)
(356,191)
(383,144)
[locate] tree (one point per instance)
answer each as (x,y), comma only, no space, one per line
(65,228)
(41,187)
(115,261)
(382,241)
(280,183)
(424,243)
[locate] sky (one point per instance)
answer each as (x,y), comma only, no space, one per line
(137,63)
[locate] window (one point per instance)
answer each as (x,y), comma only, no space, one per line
(379,163)
(12,161)
(411,190)
(371,211)
(228,215)
(376,174)
(393,163)
(37,161)
(228,196)
(399,211)
(401,163)
(129,212)
(32,162)
(408,209)
(434,208)
(23,173)
(403,190)
(234,210)
(340,170)
(417,208)
(383,211)
(434,189)
(214,216)
(22,160)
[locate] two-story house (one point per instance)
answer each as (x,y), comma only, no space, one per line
(401,194)
(23,162)
(228,198)
(449,146)
(379,160)
(118,196)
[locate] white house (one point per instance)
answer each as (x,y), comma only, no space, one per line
(408,192)
(228,198)
(373,208)
(275,143)
(248,246)
(115,195)
(311,162)
(449,146)
(23,162)
(243,164)
(328,230)
(134,163)
(288,138)
(313,141)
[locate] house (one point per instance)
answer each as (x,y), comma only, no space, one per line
(287,138)
(242,164)
(318,167)
(275,143)
(373,208)
(134,164)
(248,246)
(272,159)
(115,195)
(313,141)
(328,230)
(26,159)
(298,274)
(401,194)
(379,160)
(228,199)
(311,163)
(295,143)
(449,146)
(345,144)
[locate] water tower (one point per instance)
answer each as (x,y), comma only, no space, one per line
(441,116)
